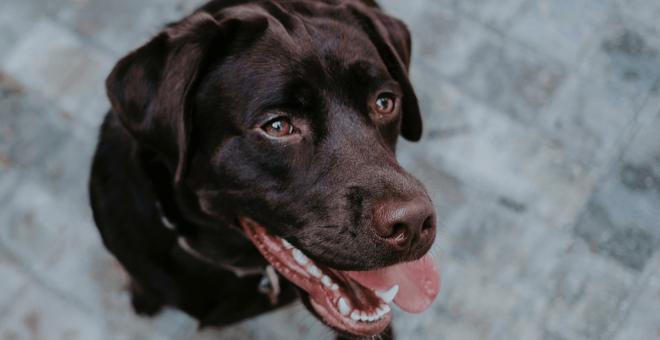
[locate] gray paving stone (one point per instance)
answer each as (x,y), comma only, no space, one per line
(58,65)
(622,219)
(493,152)
(501,73)
(561,28)
(293,322)
(645,11)
(492,13)
(587,293)
(495,272)
(12,282)
(641,321)
(239,332)
(590,114)
(41,315)
(123,25)
(15,21)
(30,130)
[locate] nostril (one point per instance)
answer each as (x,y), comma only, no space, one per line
(399,234)
(428,223)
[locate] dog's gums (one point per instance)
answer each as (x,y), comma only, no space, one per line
(355,302)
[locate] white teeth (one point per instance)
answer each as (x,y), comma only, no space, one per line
(355,316)
(299,256)
(326,281)
(364,317)
(380,312)
(286,244)
(389,295)
(372,318)
(386,308)
(344,307)
(334,286)
(314,270)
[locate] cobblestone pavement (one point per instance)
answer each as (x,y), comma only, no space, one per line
(541,150)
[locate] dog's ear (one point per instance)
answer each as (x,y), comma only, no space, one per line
(151,89)
(392,40)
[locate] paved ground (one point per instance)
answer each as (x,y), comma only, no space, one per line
(541,148)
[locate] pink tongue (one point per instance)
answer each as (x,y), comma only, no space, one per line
(419,282)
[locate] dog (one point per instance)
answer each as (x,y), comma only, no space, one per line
(248,161)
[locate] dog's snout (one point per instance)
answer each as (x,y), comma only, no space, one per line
(404,225)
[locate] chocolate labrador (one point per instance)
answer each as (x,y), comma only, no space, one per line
(248,160)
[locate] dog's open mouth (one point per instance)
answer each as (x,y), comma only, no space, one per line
(356,302)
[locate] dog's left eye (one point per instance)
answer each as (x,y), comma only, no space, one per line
(278,127)
(384,104)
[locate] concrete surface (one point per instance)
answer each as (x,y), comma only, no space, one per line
(541,150)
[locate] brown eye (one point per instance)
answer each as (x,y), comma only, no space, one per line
(384,104)
(279,128)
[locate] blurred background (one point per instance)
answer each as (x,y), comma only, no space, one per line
(541,149)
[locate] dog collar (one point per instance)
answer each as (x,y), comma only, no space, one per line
(269,283)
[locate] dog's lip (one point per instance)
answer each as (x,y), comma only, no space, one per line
(323,298)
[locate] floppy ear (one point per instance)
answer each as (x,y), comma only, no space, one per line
(150,89)
(392,41)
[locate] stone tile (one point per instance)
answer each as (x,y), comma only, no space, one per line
(15,18)
(41,315)
(52,238)
(498,72)
(622,219)
(123,25)
(592,113)
(492,13)
(293,322)
(30,131)
(645,11)
(561,28)
(494,274)
(495,153)
(586,292)
(510,79)
(642,319)
(238,332)
(12,282)
(57,64)
(629,244)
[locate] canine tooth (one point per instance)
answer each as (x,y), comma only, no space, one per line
(326,281)
(314,270)
(386,308)
(344,306)
(299,256)
(355,316)
(364,317)
(334,286)
(389,295)
(286,244)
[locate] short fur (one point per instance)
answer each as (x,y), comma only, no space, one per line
(181,154)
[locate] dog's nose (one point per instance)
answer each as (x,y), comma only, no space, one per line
(404,225)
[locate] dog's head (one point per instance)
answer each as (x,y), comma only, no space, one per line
(282,118)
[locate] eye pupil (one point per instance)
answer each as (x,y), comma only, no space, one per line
(279,128)
(382,102)
(384,105)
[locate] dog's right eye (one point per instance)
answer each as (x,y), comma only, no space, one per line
(278,127)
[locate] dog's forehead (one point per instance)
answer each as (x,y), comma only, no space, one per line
(315,56)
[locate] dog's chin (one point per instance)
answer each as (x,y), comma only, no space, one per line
(353,303)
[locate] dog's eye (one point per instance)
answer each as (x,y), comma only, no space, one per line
(278,128)
(384,104)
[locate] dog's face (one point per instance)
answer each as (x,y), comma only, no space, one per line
(284,118)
